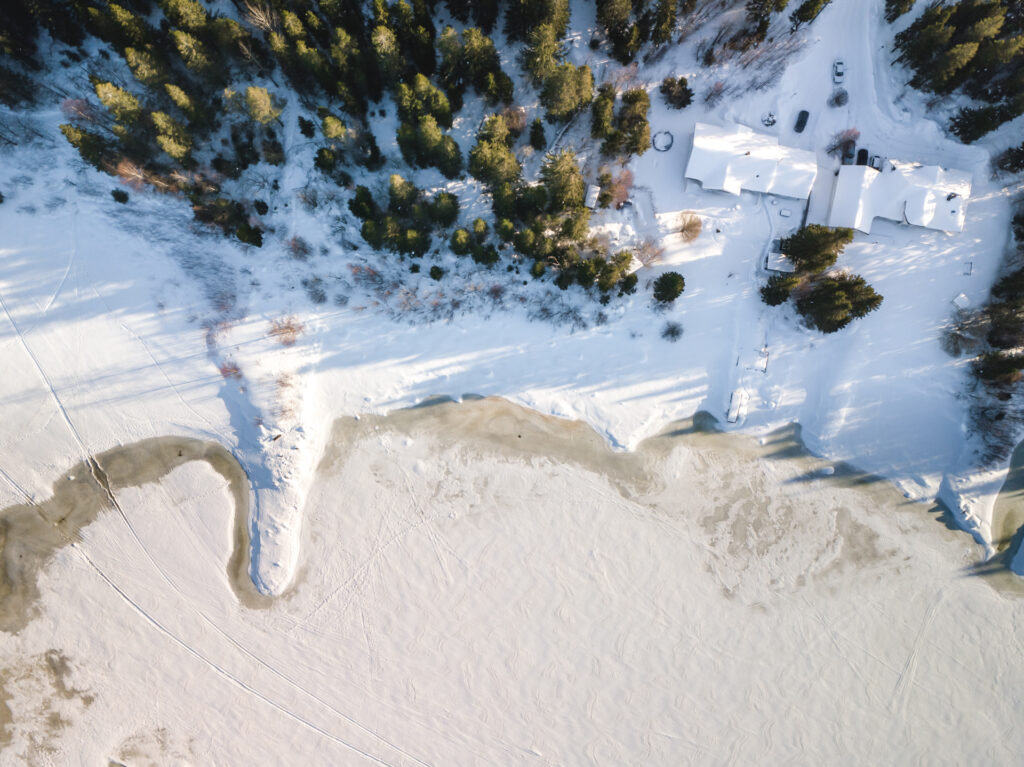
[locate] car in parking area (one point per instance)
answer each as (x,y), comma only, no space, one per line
(838,71)
(801,121)
(875,161)
(862,156)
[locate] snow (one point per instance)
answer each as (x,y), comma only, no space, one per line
(923,196)
(734,157)
(439,600)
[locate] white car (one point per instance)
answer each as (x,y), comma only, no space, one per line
(838,71)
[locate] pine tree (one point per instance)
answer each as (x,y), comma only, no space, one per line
(762,9)
(664,21)
(146,66)
(333,128)
(668,287)
(92,147)
(120,103)
(543,54)
(192,52)
(602,111)
(833,302)
(676,92)
(815,248)
(187,14)
(402,195)
(566,91)
(172,136)
(182,100)
(537,138)
(260,105)
(563,181)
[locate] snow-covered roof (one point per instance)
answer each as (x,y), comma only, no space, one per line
(734,157)
(922,195)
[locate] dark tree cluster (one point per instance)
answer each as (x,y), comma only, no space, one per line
(1005,313)
(628,24)
(405,225)
(676,92)
(626,132)
(973,46)
(828,302)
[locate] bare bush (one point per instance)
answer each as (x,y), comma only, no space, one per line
(672,331)
(262,16)
(842,139)
(286,330)
(965,334)
(690,225)
(298,248)
(649,252)
(621,187)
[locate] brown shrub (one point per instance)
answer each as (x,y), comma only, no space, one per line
(690,225)
(286,330)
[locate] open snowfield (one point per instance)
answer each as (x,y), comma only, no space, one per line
(446,594)
(703,600)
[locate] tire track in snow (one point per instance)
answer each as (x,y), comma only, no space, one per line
(100,476)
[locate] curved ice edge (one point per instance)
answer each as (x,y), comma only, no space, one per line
(274,539)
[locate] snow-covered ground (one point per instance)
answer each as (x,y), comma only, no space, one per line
(532,610)
(483,585)
(123,322)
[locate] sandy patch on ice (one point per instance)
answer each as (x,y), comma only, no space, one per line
(482,584)
(31,533)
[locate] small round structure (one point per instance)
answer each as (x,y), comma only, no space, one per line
(662,141)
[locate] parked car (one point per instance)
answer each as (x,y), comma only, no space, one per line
(875,161)
(838,71)
(801,121)
(862,156)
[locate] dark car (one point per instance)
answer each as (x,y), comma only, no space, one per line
(801,121)
(862,156)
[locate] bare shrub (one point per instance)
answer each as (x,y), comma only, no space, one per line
(79,110)
(649,252)
(621,187)
(690,225)
(515,118)
(262,16)
(965,334)
(286,330)
(714,94)
(229,369)
(672,331)
(842,139)
(839,98)
(298,248)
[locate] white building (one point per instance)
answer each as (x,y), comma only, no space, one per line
(922,195)
(734,157)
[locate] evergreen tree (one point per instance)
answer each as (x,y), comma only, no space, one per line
(187,14)
(192,52)
(778,289)
(602,111)
(664,21)
(543,53)
(815,248)
(120,103)
(668,287)
(676,92)
(402,195)
(566,92)
(537,138)
(833,302)
(261,106)
(896,8)
(563,181)
(146,66)
(92,147)
(762,9)
(172,136)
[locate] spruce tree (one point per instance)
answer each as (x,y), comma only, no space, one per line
(563,181)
